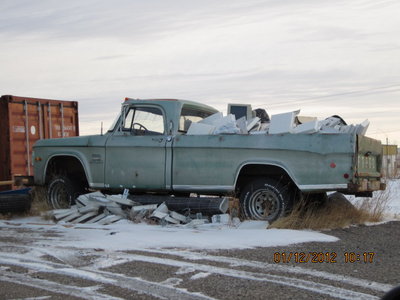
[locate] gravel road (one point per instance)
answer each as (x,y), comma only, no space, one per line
(363,264)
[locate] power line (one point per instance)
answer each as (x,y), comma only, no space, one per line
(383,132)
(382,89)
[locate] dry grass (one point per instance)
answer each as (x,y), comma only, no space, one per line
(6,216)
(39,205)
(39,201)
(335,212)
(375,206)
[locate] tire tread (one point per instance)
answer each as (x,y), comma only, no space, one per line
(15,203)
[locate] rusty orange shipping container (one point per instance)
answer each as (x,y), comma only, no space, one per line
(25,120)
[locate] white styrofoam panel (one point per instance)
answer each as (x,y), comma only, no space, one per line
(282,123)
(200,129)
(211,120)
(144,207)
(242,125)
(252,122)
(178,216)
(308,127)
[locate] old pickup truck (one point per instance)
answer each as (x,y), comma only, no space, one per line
(148,150)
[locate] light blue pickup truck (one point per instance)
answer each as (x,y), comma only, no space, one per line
(147,150)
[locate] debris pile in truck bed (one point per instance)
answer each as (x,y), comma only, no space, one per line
(282,123)
(97,208)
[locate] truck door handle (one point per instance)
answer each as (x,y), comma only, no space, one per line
(158,139)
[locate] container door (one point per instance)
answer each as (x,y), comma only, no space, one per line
(135,153)
(25,120)
(24,132)
(59,120)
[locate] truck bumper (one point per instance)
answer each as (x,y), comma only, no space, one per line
(366,185)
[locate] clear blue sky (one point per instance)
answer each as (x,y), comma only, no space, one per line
(323,57)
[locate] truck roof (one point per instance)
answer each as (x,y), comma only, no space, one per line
(192,104)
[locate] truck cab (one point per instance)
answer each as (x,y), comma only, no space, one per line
(138,149)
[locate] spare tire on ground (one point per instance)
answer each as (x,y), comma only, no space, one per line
(15,202)
(339,200)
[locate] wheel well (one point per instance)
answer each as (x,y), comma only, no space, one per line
(68,166)
(252,171)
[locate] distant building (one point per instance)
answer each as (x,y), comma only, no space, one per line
(390,161)
(398,162)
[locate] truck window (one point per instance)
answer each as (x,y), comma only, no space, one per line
(128,120)
(144,121)
(114,124)
(189,116)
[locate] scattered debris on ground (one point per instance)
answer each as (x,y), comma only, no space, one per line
(289,122)
(106,209)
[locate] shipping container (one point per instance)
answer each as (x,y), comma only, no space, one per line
(25,120)
(389,161)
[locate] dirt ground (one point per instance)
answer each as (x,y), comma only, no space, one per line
(362,264)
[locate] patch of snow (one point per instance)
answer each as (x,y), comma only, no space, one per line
(253,225)
(125,235)
(185,270)
(200,275)
(393,188)
(30,220)
(389,197)
(172,281)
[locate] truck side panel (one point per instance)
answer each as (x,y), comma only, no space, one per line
(212,162)
(90,151)
(136,162)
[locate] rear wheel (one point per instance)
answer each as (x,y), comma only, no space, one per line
(62,192)
(265,199)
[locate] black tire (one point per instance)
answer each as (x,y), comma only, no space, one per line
(313,200)
(339,200)
(265,199)
(15,203)
(393,294)
(62,192)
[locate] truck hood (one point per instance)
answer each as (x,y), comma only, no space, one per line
(79,141)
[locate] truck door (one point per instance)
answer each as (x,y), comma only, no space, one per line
(135,152)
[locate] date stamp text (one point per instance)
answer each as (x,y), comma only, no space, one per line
(324,257)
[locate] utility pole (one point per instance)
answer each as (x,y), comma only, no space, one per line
(387,159)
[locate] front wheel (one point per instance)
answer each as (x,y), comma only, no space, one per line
(265,199)
(62,192)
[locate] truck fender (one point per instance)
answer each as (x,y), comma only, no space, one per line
(264,164)
(84,163)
